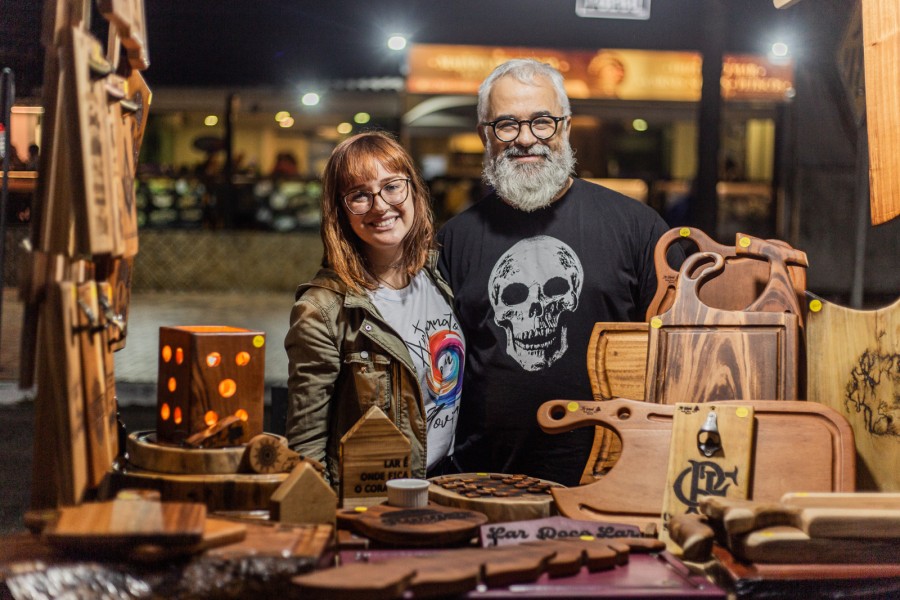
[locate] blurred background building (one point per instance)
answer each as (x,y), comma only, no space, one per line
(729,116)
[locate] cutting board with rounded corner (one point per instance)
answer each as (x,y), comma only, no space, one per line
(796,446)
(744,278)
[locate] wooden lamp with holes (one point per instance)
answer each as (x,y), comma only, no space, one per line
(211,385)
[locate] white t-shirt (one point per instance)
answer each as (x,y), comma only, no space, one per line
(433,336)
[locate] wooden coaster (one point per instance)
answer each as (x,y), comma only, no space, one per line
(433,525)
(501,497)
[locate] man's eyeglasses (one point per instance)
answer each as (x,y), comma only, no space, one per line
(507,130)
(394,192)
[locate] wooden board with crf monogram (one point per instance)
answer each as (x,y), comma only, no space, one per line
(797,445)
(710,455)
(372,451)
(853,367)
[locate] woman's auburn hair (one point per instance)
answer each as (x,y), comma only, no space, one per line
(351,163)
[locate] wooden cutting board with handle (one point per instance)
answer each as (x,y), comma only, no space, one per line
(698,353)
(852,367)
(789,545)
(432,525)
(746,272)
(797,445)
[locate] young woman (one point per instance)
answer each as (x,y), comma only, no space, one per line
(375,327)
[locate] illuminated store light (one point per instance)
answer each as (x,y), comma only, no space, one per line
(639,125)
(396,42)
(282,115)
(779,49)
(344,128)
(310,99)
(361,118)
(286,122)
(211,120)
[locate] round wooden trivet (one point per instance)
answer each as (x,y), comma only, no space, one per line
(499,496)
(433,525)
(145,453)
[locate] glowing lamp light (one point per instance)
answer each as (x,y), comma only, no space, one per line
(282,115)
(211,120)
(205,373)
(344,128)
(310,99)
(286,123)
(396,42)
(639,125)
(362,118)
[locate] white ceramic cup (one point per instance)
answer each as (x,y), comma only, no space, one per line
(408,493)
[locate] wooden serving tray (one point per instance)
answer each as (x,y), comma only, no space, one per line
(797,446)
(432,525)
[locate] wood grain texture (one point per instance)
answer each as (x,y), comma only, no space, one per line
(371,452)
(881,48)
(744,277)
(721,472)
(146,453)
(304,497)
(853,368)
(431,525)
(527,505)
(789,545)
(617,360)
(632,492)
(701,354)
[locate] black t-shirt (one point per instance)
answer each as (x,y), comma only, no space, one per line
(528,289)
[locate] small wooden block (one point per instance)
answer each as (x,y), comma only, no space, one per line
(225,432)
(268,454)
(372,451)
(304,497)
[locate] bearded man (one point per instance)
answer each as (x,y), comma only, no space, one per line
(533,266)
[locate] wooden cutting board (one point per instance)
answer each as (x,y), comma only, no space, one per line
(701,354)
(852,368)
(432,525)
(798,445)
(617,360)
(789,545)
(495,495)
(743,279)
(710,454)
(133,518)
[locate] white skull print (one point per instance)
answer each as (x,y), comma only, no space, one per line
(533,284)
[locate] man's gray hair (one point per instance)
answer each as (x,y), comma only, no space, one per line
(525,70)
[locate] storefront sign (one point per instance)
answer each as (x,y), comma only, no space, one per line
(613,9)
(602,73)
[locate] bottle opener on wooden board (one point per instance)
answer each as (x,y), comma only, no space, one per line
(797,445)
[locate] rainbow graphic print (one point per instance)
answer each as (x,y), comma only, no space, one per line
(446,374)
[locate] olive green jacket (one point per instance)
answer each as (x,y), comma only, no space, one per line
(343,358)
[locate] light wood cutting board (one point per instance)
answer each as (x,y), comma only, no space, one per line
(852,367)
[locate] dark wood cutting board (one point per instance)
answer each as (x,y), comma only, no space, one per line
(745,276)
(432,525)
(502,497)
(701,354)
(797,445)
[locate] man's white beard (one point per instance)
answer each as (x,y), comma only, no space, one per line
(529,186)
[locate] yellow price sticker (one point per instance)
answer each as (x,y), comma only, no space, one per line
(745,242)
(742,411)
(655,322)
(258,341)
(815,305)
(684,232)
(572,406)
